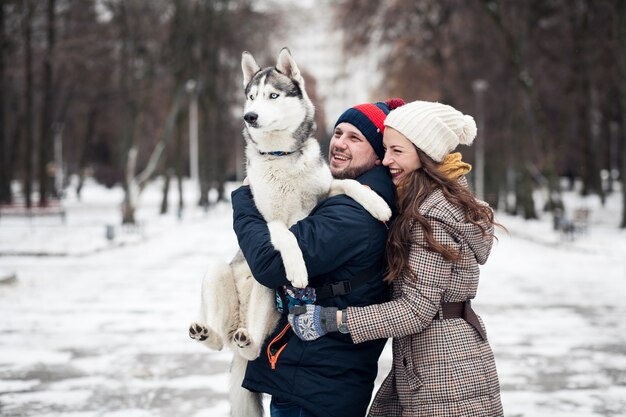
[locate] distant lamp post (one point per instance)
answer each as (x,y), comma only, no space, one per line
(480,86)
(58,158)
(192,89)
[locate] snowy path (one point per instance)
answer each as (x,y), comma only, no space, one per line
(557,323)
(103,333)
(106,334)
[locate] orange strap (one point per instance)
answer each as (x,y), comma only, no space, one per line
(273,358)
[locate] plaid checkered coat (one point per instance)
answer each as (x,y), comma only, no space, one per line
(440,367)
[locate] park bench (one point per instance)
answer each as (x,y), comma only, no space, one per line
(569,227)
(19,209)
(580,219)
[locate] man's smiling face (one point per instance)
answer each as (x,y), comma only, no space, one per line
(350,154)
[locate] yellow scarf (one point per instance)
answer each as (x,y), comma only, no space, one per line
(453,167)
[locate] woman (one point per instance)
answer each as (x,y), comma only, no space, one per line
(442,362)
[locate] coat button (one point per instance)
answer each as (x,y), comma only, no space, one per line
(404,362)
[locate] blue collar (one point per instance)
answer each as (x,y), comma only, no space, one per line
(276,153)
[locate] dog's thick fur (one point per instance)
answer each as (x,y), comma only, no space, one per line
(288,177)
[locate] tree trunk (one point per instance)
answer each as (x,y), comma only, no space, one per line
(28,100)
(87,142)
(517,59)
(204,147)
(183,63)
(167,174)
(127,115)
(221,190)
(137,183)
(524,195)
(622,68)
(623,173)
(5,175)
(17,138)
(585,102)
(179,164)
(46,137)
(129,205)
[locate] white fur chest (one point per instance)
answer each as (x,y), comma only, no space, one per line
(286,188)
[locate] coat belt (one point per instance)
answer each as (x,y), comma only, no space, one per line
(462,310)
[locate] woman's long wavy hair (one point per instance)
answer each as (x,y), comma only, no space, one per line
(412,191)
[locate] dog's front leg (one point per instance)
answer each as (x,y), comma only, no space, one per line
(285,242)
(363,195)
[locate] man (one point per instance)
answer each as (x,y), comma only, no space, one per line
(343,247)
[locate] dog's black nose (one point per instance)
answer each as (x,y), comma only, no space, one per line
(250,117)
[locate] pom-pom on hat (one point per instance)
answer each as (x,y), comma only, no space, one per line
(435,128)
(369,119)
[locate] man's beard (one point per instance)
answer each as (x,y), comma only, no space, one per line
(351,173)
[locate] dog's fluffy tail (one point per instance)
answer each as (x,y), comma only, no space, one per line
(243,403)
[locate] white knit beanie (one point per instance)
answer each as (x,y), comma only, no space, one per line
(435,128)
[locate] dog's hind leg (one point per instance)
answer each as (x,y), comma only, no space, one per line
(218,314)
(363,195)
(243,403)
(261,319)
(285,242)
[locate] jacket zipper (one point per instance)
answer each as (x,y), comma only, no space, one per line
(273,358)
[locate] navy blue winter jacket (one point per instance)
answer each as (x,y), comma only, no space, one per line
(331,376)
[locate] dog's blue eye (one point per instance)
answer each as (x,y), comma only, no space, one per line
(273,95)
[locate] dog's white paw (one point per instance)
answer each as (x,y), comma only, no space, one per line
(298,279)
(285,242)
(242,338)
(198,331)
(245,345)
(295,269)
(378,208)
(203,334)
(363,195)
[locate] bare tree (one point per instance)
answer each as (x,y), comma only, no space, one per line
(517,52)
(99,68)
(417,34)
(137,183)
(219,67)
(180,54)
(46,137)
(621,42)
(92,118)
(587,90)
(549,67)
(5,178)
(27,22)
(138,32)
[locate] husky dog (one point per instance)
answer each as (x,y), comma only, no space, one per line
(288,177)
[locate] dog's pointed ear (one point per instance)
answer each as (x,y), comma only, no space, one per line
(286,65)
(249,67)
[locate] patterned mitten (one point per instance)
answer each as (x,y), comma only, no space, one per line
(310,322)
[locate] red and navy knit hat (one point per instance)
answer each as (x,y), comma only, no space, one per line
(369,118)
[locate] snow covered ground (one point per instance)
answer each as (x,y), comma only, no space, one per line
(98,328)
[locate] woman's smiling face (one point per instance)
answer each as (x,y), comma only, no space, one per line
(400,155)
